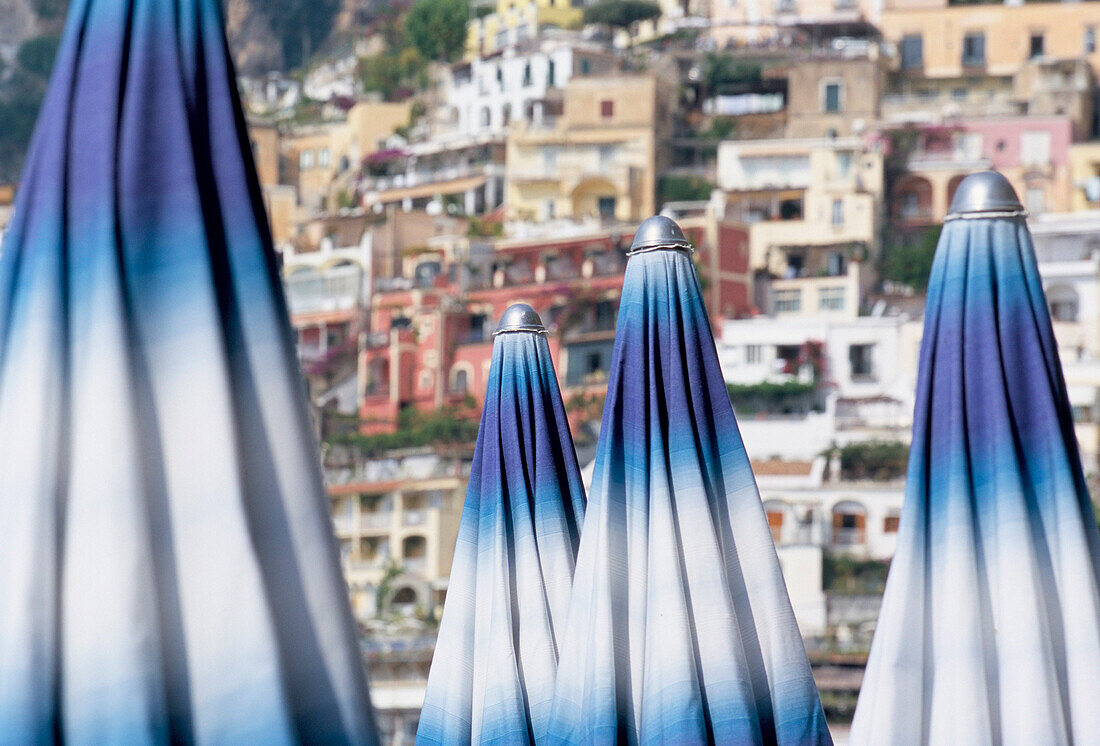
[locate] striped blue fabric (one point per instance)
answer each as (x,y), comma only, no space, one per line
(492,677)
(167,565)
(990,627)
(679,630)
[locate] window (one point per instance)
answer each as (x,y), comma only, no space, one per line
(838,213)
(461,382)
(890,524)
(861,360)
(788,301)
(1090,39)
(754,354)
(606,155)
(550,73)
(1035,201)
(586,66)
(1063,303)
(1035,45)
(912,52)
(830,299)
(527,74)
(1035,148)
(607,108)
(486,116)
(834,264)
(960,93)
(973,52)
(324,158)
(606,207)
(305,159)
(831,95)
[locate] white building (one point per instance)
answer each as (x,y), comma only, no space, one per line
(1068,250)
(864,369)
(484,96)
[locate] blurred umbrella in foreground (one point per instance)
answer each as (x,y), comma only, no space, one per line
(492,677)
(167,564)
(990,626)
(679,628)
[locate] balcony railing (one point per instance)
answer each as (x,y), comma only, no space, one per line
(376,521)
(414,518)
(415,564)
(848,537)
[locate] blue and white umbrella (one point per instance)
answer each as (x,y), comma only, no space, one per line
(990,626)
(680,629)
(167,564)
(492,677)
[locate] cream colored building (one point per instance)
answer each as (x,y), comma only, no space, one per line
(942,40)
(811,205)
(1084,165)
(320,158)
(516,20)
(396,520)
(747,22)
(598,159)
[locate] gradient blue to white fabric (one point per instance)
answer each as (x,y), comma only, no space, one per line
(167,565)
(990,627)
(680,630)
(492,677)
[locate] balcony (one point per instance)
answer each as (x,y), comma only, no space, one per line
(849,537)
(414,518)
(376,521)
(311,291)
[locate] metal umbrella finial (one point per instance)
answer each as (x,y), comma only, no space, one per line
(659,232)
(985,194)
(520,318)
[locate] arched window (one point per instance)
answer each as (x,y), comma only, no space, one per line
(849,523)
(1063,302)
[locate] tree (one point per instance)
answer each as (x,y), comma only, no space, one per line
(36,55)
(437,28)
(624,14)
(721,70)
(910,262)
(301,25)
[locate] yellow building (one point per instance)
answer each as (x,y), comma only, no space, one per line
(264,137)
(397,520)
(515,20)
(1084,167)
(598,159)
(939,40)
(317,155)
(810,204)
(756,21)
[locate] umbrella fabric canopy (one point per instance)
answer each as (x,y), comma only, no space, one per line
(990,625)
(492,677)
(167,564)
(680,629)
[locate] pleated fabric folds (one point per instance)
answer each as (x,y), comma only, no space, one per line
(167,565)
(680,630)
(492,677)
(990,626)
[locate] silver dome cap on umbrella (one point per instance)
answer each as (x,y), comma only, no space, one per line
(985,193)
(659,232)
(520,318)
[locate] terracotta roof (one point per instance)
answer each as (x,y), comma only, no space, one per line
(778,468)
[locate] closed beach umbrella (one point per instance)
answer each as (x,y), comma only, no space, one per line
(990,625)
(680,629)
(167,565)
(492,677)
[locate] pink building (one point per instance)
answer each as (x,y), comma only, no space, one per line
(1032,152)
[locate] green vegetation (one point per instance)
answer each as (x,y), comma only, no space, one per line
(624,14)
(401,68)
(437,28)
(877,460)
(300,25)
(721,71)
(768,396)
(36,55)
(846,575)
(49,10)
(683,188)
(21,98)
(454,425)
(910,262)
